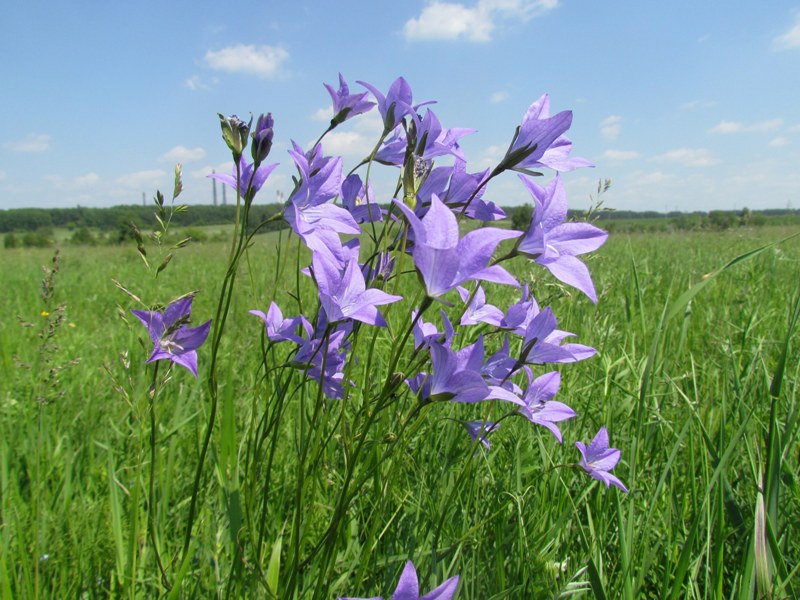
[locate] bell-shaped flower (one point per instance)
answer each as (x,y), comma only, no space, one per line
(250,182)
(345,104)
(539,141)
(480,431)
(443,260)
(540,408)
(478,310)
(309,211)
(457,376)
(597,459)
(172,338)
(343,293)
(408,588)
(359,200)
(555,244)
(396,104)
(280,329)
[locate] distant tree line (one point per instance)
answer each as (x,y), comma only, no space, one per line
(111,219)
(32,227)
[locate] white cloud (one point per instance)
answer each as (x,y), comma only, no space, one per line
(33,142)
(453,21)
(610,127)
(3,175)
(182,154)
(779,142)
(688,157)
(790,39)
(794,129)
(739,127)
(322,114)
(697,104)
(86,180)
(347,143)
(144,180)
(264,61)
(196,83)
(498,97)
(620,155)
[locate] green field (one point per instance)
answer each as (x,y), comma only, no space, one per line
(700,395)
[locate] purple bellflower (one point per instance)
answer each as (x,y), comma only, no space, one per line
(443,260)
(308,211)
(539,141)
(408,588)
(360,200)
(426,333)
(172,339)
(249,182)
(280,329)
(540,408)
(345,104)
(343,294)
(395,105)
(262,138)
(480,431)
(478,310)
(598,459)
(555,244)
(431,141)
(327,351)
(457,376)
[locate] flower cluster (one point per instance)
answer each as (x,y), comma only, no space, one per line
(420,224)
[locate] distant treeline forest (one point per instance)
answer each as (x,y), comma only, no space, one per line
(36,226)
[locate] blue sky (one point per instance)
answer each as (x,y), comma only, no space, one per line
(685,105)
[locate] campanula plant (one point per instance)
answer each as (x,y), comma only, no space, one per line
(361,375)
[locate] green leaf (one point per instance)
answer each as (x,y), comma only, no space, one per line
(274,567)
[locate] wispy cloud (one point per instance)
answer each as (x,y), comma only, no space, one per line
(86,180)
(498,97)
(610,127)
(143,180)
(322,114)
(790,39)
(620,155)
(263,61)
(182,154)
(688,157)
(33,142)
(698,104)
(197,83)
(456,21)
(778,142)
(739,127)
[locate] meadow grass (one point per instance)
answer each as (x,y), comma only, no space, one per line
(700,393)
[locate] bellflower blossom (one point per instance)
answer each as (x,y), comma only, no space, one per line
(408,588)
(280,329)
(343,294)
(172,339)
(308,211)
(249,182)
(345,104)
(443,260)
(395,105)
(555,244)
(478,310)
(457,376)
(359,200)
(480,430)
(539,141)
(598,459)
(540,408)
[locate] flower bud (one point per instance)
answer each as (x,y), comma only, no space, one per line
(235,132)
(262,138)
